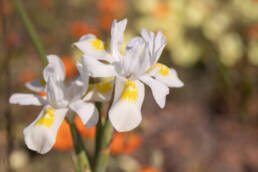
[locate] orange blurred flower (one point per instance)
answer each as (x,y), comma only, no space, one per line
(7,8)
(26,76)
(110,10)
(84,131)
(105,21)
(125,143)
(70,67)
(42,94)
(47,3)
(252,32)
(12,40)
(116,7)
(149,170)
(161,10)
(79,29)
(64,139)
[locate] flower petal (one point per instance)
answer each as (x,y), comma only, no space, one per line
(131,60)
(36,85)
(76,89)
(117,37)
(166,75)
(54,68)
(87,112)
(40,135)
(159,90)
(149,38)
(91,45)
(156,44)
(56,93)
(96,68)
(26,99)
(160,43)
(78,86)
(84,74)
(100,91)
(125,112)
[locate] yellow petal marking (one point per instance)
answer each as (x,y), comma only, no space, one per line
(130,92)
(42,82)
(163,69)
(48,119)
(98,44)
(104,87)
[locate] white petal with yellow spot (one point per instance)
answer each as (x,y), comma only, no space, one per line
(40,135)
(125,112)
(89,44)
(166,75)
(100,91)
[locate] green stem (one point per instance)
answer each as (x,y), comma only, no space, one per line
(82,162)
(102,154)
(103,139)
(98,128)
(30,29)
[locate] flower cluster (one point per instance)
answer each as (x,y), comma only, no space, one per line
(129,72)
(192,27)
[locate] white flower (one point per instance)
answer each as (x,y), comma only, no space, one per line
(137,66)
(89,44)
(40,135)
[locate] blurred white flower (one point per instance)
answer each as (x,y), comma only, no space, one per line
(18,159)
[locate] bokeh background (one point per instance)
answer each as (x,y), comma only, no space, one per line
(209,125)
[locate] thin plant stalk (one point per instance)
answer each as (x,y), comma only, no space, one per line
(103,140)
(30,29)
(98,128)
(102,155)
(82,162)
(7,89)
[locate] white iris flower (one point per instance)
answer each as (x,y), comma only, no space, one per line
(40,135)
(138,66)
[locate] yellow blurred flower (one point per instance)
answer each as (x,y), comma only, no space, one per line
(230,49)
(253,52)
